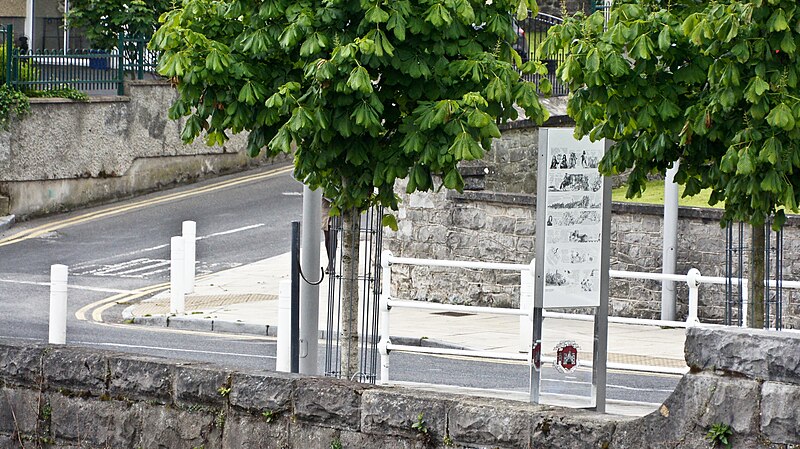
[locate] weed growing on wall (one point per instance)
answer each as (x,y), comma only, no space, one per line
(12,103)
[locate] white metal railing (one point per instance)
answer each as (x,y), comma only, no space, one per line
(693,280)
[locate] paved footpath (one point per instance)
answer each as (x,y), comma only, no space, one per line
(245,300)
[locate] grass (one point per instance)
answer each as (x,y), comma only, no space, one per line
(654,194)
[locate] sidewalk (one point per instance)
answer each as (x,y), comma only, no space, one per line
(245,300)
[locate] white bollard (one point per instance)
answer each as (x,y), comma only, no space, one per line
(189,231)
(177,299)
(58,304)
(284,350)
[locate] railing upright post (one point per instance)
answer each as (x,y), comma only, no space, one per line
(120,65)
(140,58)
(386,285)
(693,281)
(9,54)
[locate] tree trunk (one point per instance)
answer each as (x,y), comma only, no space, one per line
(349,300)
(755,306)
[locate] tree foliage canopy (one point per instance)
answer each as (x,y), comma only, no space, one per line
(712,84)
(369,91)
(104,20)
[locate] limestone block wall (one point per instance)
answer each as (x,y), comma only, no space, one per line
(494,221)
(70,397)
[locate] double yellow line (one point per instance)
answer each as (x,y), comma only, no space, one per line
(98,307)
(38,231)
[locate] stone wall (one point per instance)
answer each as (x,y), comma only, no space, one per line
(68,397)
(494,221)
(68,153)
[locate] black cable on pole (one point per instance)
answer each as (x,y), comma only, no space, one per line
(295,311)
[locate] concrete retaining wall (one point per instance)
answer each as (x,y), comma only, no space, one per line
(65,397)
(67,154)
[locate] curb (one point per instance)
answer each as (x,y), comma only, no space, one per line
(6,222)
(264,330)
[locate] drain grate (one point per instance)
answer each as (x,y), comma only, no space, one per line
(454,314)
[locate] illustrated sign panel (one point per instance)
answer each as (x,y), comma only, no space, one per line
(574,221)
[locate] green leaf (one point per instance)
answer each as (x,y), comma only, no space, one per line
(664,41)
(781,116)
(777,21)
(771,151)
(592,61)
(359,80)
(616,64)
(438,15)
(745,165)
(453,180)
(389,221)
(376,15)
(247,94)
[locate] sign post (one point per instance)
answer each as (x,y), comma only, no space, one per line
(573,222)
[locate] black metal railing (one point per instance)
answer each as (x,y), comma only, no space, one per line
(88,70)
(531,32)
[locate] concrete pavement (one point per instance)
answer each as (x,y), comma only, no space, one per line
(245,300)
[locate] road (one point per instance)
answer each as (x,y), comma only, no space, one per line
(240,219)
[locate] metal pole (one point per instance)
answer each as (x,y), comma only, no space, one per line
(120,65)
(30,13)
(538,288)
(9,54)
(58,304)
(284,350)
(177,301)
(309,293)
(600,350)
(670,243)
(66,26)
(189,232)
(295,321)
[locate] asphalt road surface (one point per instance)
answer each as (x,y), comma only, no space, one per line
(240,219)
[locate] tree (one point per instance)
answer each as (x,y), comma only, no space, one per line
(364,93)
(104,20)
(714,85)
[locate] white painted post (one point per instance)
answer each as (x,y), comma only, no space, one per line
(189,231)
(386,285)
(58,304)
(309,293)
(284,350)
(177,276)
(693,281)
(670,243)
(745,300)
(527,278)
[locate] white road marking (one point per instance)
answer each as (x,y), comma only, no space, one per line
(76,287)
(232,231)
(166,245)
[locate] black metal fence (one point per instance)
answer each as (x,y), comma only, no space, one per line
(530,34)
(739,256)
